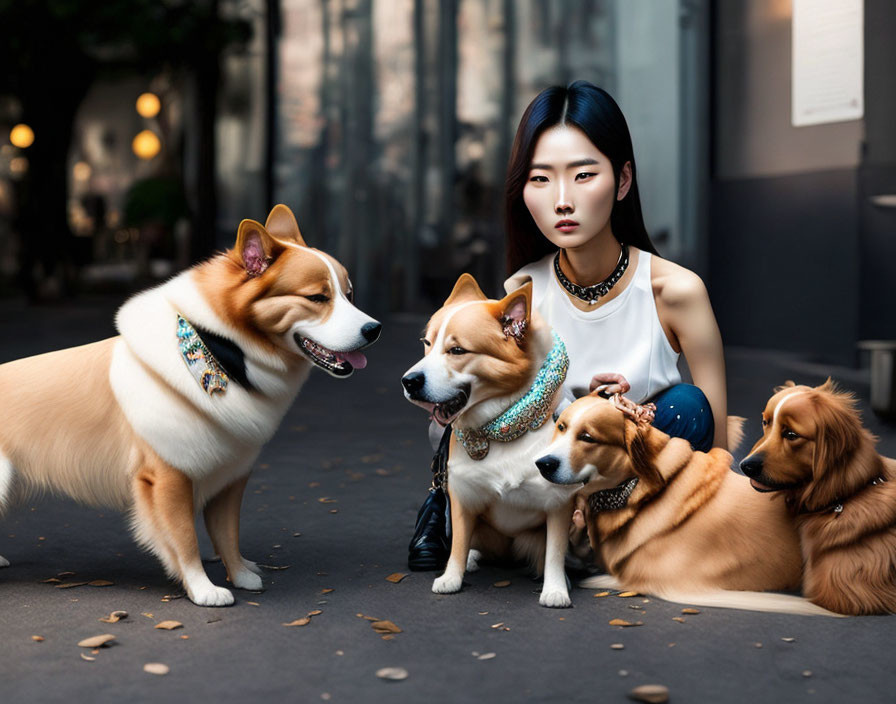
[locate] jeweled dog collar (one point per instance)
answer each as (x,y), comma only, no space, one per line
(612,499)
(528,413)
(202,364)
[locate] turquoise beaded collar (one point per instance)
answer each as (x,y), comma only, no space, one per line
(528,413)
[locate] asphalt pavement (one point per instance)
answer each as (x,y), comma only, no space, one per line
(330,505)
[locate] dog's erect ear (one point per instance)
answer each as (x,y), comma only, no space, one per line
(281,224)
(639,452)
(513,312)
(466,289)
(255,247)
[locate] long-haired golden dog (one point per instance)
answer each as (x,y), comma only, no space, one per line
(842,493)
(667,520)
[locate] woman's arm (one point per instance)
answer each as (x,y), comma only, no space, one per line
(686,315)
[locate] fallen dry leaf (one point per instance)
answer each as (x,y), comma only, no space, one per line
(680,619)
(253,603)
(385,627)
(807,673)
(690,611)
(388,636)
(114,617)
(169,625)
(88,658)
(367,618)
(37,639)
(396,577)
(100,583)
(147,614)
(651,693)
(394,674)
(156,668)
(96,641)
(275,567)
(617,646)
(69,585)
(327,500)
(51,580)
(757,645)
(628,594)
(788,640)
(487,656)
(623,622)
(497,625)
(326,591)
(600,594)
(298,622)
(65,574)
(502,583)
(316,612)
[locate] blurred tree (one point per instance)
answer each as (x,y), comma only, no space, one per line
(51,53)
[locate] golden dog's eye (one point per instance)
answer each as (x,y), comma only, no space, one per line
(561,427)
(318,298)
(585,437)
(788,434)
(764,423)
(457,351)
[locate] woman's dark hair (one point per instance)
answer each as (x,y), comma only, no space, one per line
(592,110)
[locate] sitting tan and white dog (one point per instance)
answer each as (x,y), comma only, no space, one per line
(493,369)
(167,417)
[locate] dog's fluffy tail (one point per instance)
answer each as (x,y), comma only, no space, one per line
(770,602)
(735,432)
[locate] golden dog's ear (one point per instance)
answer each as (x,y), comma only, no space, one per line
(466,289)
(639,452)
(838,439)
(255,248)
(786,385)
(281,224)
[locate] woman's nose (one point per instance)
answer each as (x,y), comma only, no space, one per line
(563,204)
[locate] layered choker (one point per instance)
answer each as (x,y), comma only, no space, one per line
(528,413)
(592,294)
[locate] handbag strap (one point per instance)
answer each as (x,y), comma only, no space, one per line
(440,461)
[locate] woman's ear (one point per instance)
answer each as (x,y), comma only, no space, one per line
(625,181)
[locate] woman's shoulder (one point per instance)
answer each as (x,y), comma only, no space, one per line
(673,284)
(536,272)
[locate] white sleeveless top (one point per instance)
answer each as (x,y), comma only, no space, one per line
(623,336)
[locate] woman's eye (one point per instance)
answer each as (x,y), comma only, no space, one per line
(538,179)
(318,298)
(789,434)
(457,350)
(584,175)
(585,437)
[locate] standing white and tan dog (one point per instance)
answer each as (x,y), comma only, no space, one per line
(167,417)
(492,369)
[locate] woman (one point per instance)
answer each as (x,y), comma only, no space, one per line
(574,227)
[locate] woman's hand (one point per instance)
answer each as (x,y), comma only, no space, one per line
(608,383)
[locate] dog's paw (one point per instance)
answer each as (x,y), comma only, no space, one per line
(447,584)
(555,599)
(252,566)
(473,558)
(211,596)
(3,561)
(247,580)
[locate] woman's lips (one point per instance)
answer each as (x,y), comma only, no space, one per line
(566,225)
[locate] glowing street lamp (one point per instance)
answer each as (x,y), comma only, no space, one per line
(148,105)
(22,136)
(146,145)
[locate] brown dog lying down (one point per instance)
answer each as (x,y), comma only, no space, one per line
(670,521)
(842,493)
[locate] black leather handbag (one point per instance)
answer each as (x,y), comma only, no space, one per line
(431,545)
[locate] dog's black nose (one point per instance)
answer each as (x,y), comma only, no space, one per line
(752,465)
(413,382)
(547,465)
(371,331)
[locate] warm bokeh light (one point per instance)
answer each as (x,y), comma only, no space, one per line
(18,165)
(146,145)
(148,105)
(21,136)
(81,171)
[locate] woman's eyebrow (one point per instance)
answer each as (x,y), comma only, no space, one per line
(571,165)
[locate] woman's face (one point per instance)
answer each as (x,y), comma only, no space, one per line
(570,190)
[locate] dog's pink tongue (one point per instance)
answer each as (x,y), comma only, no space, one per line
(356,359)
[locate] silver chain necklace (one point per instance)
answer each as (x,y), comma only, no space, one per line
(592,294)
